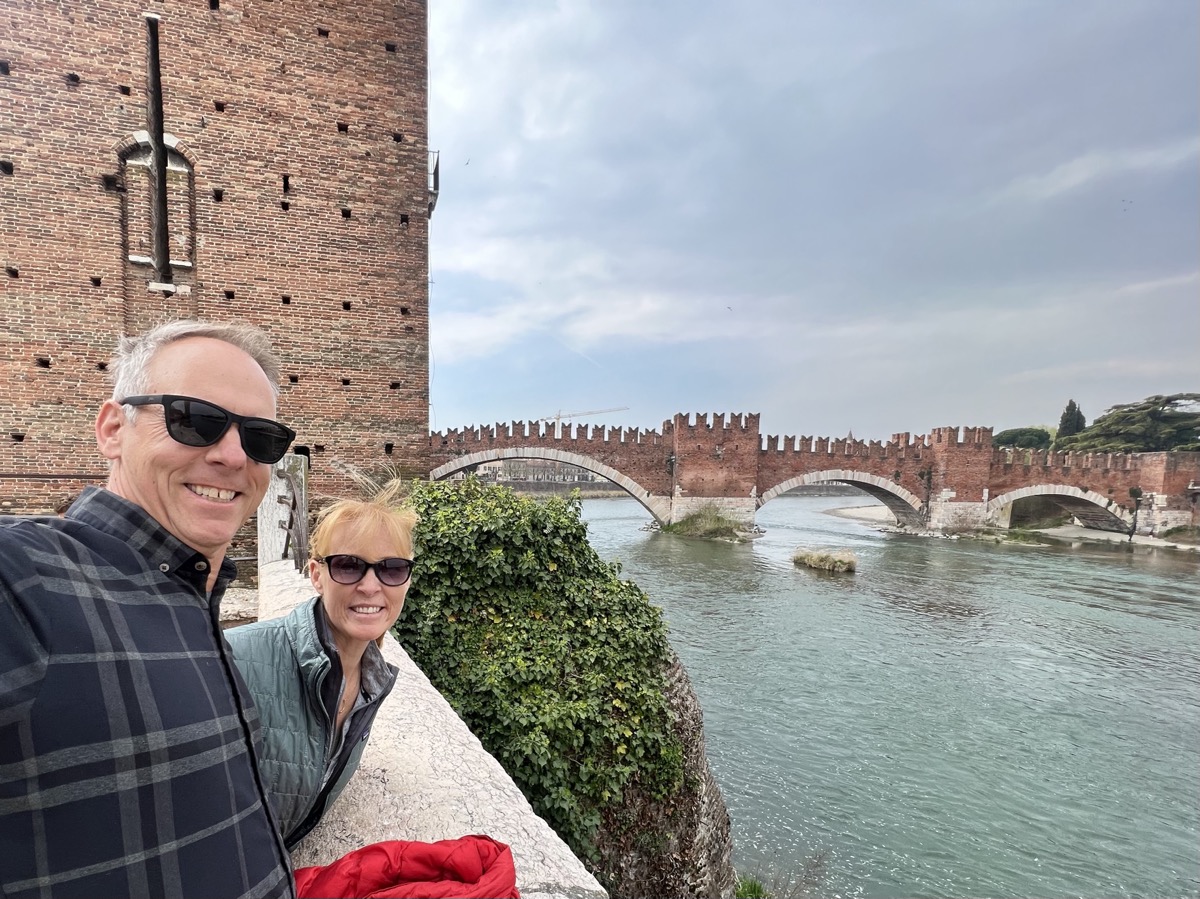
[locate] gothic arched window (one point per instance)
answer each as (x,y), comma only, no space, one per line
(138,197)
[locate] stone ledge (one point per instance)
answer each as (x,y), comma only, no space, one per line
(425,776)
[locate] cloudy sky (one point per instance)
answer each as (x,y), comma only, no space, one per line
(868,216)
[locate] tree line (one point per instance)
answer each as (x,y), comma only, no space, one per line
(1161,423)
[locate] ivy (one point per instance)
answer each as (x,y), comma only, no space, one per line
(553,661)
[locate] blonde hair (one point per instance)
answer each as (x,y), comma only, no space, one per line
(384,511)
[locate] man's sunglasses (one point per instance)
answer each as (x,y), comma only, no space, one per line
(348,569)
(195,422)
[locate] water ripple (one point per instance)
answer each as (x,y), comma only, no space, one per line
(955,719)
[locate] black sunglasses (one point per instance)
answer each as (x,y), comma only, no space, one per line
(347,569)
(195,422)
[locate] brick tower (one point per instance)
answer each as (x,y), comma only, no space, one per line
(297,194)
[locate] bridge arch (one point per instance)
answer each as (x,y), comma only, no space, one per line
(906,506)
(658,506)
(1093,509)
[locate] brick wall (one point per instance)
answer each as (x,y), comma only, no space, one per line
(961,465)
(900,461)
(1109,474)
(332,96)
(716,458)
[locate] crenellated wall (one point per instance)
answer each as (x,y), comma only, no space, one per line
(640,454)
(715,462)
(951,477)
(901,461)
(1110,474)
(962,462)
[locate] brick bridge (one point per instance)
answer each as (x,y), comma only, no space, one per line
(948,478)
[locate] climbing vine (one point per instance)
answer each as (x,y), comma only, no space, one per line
(552,660)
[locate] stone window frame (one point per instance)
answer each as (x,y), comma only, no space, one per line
(135,151)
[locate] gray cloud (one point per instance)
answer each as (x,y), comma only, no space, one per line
(870,215)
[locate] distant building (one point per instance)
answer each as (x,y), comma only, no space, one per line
(535,470)
(298,189)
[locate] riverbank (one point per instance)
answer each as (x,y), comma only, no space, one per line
(879,514)
(1074,532)
(876,513)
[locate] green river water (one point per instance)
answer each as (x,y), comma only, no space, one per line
(955,719)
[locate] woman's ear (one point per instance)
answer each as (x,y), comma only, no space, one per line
(314,575)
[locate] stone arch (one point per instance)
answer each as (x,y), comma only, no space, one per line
(906,506)
(1093,509)
(141,139)
(658,506)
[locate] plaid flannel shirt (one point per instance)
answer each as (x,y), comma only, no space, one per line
(126,739)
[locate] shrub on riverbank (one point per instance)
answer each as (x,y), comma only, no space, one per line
(750,887)
(708,523)
(553,661)
(807,883)
(838,561)
(1183,534)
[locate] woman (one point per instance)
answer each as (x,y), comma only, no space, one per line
(317,675)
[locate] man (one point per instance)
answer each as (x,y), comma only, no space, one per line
(126,756)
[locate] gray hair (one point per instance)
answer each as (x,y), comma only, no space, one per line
(130,366)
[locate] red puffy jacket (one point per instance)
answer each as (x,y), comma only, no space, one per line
(473,867)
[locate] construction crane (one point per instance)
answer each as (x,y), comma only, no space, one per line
(558,416)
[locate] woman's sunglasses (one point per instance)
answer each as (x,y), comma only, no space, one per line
(194,422)
(348,569)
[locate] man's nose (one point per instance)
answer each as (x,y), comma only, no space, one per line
(228,450)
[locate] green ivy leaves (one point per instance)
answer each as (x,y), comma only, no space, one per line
(554,662)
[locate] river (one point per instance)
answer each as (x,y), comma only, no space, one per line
(957,718)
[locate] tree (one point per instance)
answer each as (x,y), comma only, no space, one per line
(1023,438)
(1072,421)
(1156,424)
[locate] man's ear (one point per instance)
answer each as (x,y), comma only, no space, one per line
(110,421)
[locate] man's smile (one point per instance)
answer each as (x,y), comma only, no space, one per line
(213,493)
